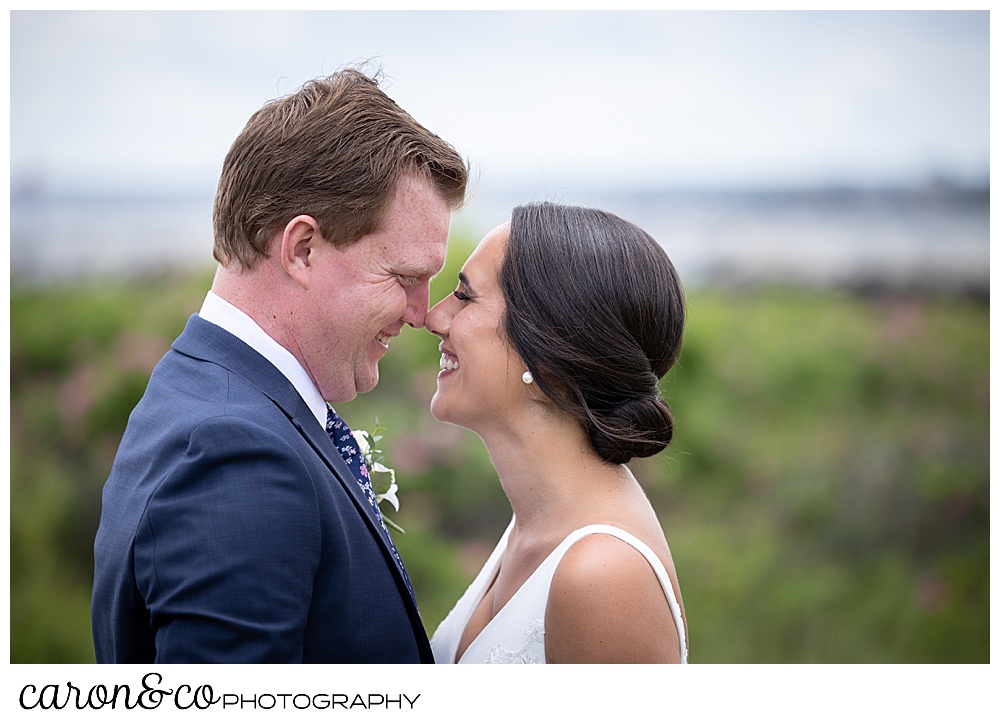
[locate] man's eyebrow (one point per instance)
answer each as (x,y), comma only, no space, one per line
(465,280)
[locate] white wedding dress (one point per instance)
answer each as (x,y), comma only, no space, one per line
(516,635)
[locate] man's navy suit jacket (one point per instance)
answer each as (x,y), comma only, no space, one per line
(233,531)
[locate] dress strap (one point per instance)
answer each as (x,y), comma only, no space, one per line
(647,552)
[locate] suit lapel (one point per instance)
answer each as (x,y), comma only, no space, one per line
(321,443)
(204,340)
(324,447)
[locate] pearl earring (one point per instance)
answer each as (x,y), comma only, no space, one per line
(528,379)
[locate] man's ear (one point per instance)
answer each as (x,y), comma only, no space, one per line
(298,242)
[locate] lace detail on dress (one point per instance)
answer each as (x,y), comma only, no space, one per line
(535,633)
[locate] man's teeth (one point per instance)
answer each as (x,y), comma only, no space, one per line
(383,339)
(448,363)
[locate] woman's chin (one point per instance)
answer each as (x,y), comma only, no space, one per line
(439,408)
(443,410)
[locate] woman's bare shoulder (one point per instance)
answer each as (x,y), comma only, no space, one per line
(606,605)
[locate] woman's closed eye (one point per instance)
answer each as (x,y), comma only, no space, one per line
(465,292)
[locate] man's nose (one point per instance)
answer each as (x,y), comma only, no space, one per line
(416,306)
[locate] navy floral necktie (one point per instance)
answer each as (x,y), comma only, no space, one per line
(343,439)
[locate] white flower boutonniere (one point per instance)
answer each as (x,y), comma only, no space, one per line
(383,477)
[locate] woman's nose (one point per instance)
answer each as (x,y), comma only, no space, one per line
(438,320)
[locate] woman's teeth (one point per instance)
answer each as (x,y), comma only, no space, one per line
(383,339)
(448,363)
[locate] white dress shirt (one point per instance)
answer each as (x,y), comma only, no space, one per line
(221,313)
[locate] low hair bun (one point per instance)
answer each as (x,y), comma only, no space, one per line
(594,308)
(634,429)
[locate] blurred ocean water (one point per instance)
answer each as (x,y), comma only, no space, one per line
(931,238)
(60,239)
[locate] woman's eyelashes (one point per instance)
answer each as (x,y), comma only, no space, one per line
(462,296)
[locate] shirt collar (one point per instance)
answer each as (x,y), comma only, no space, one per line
(221,313)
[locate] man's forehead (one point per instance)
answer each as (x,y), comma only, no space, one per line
(418,258)
(437,253)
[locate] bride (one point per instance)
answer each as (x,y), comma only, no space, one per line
(552,346)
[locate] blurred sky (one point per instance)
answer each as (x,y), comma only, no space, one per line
(152,100)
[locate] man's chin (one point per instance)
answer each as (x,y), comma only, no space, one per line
(348,388)
(367,383)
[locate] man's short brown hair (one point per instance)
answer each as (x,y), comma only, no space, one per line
(334,150)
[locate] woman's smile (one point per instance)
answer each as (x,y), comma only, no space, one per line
(449,362)
(478,364)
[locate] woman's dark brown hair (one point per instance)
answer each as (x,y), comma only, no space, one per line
(595,310)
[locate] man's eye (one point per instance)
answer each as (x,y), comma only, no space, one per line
(409,281)
(461,295)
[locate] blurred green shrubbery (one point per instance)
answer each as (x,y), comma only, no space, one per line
(80,359)
(826,497)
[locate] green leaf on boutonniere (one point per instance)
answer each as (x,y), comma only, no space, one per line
(382,476)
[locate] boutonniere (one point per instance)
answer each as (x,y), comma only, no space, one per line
(382,476)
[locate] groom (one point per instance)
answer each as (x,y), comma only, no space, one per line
(238,523)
